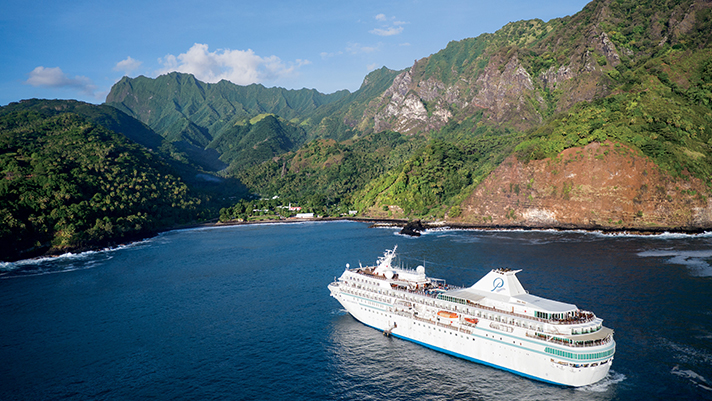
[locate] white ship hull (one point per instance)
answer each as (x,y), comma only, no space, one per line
(498,339)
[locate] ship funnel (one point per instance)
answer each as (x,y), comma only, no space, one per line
(500,281)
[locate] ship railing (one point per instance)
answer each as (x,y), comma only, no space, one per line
(420,319)
(574,344)
(584,316)
(374,275)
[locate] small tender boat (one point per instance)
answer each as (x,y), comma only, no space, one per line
(446,314)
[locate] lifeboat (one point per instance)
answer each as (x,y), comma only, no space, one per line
(471,320)
(446,314)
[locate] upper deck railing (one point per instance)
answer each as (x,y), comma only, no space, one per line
(582,317)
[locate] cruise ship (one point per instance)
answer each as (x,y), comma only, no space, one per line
(495,322)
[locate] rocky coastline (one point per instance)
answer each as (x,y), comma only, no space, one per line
(408,227)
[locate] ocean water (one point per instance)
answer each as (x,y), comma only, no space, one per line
(244,313)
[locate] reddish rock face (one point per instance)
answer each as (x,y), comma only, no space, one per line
(607,186)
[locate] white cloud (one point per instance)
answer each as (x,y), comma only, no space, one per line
(127,66)
(390,31)
(56,78)
(389,26)
(242,67)
(372,67)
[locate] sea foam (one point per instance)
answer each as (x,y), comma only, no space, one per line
(694,260)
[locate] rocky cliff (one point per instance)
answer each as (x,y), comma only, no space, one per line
(599,186)
(503,75)
(529,70)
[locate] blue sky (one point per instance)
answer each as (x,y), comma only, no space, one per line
(79,49)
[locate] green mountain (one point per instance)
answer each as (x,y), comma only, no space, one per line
(619,71)
(68,184)
(343,119)
(197,117)
(179,107)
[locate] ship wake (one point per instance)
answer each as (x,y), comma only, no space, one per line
(693,377)
(612,379)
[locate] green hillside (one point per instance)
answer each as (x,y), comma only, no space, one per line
(255,140)
(435,178)
(670,124)
(68,184)
(195,166)
(328,173)
(106,116)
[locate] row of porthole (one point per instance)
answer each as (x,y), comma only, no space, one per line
(581,365)
(382,299)
(496,318)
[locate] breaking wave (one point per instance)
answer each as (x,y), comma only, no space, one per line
(60,264)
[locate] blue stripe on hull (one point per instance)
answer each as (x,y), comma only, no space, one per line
(467,357)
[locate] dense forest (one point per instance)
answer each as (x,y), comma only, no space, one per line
(68,183)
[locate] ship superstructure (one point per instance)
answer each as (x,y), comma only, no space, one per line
(495,322)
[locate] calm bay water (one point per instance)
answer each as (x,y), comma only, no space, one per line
(244,313)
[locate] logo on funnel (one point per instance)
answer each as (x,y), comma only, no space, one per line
(497,284)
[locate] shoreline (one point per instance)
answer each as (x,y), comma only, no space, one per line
(430,225)
(377,222)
